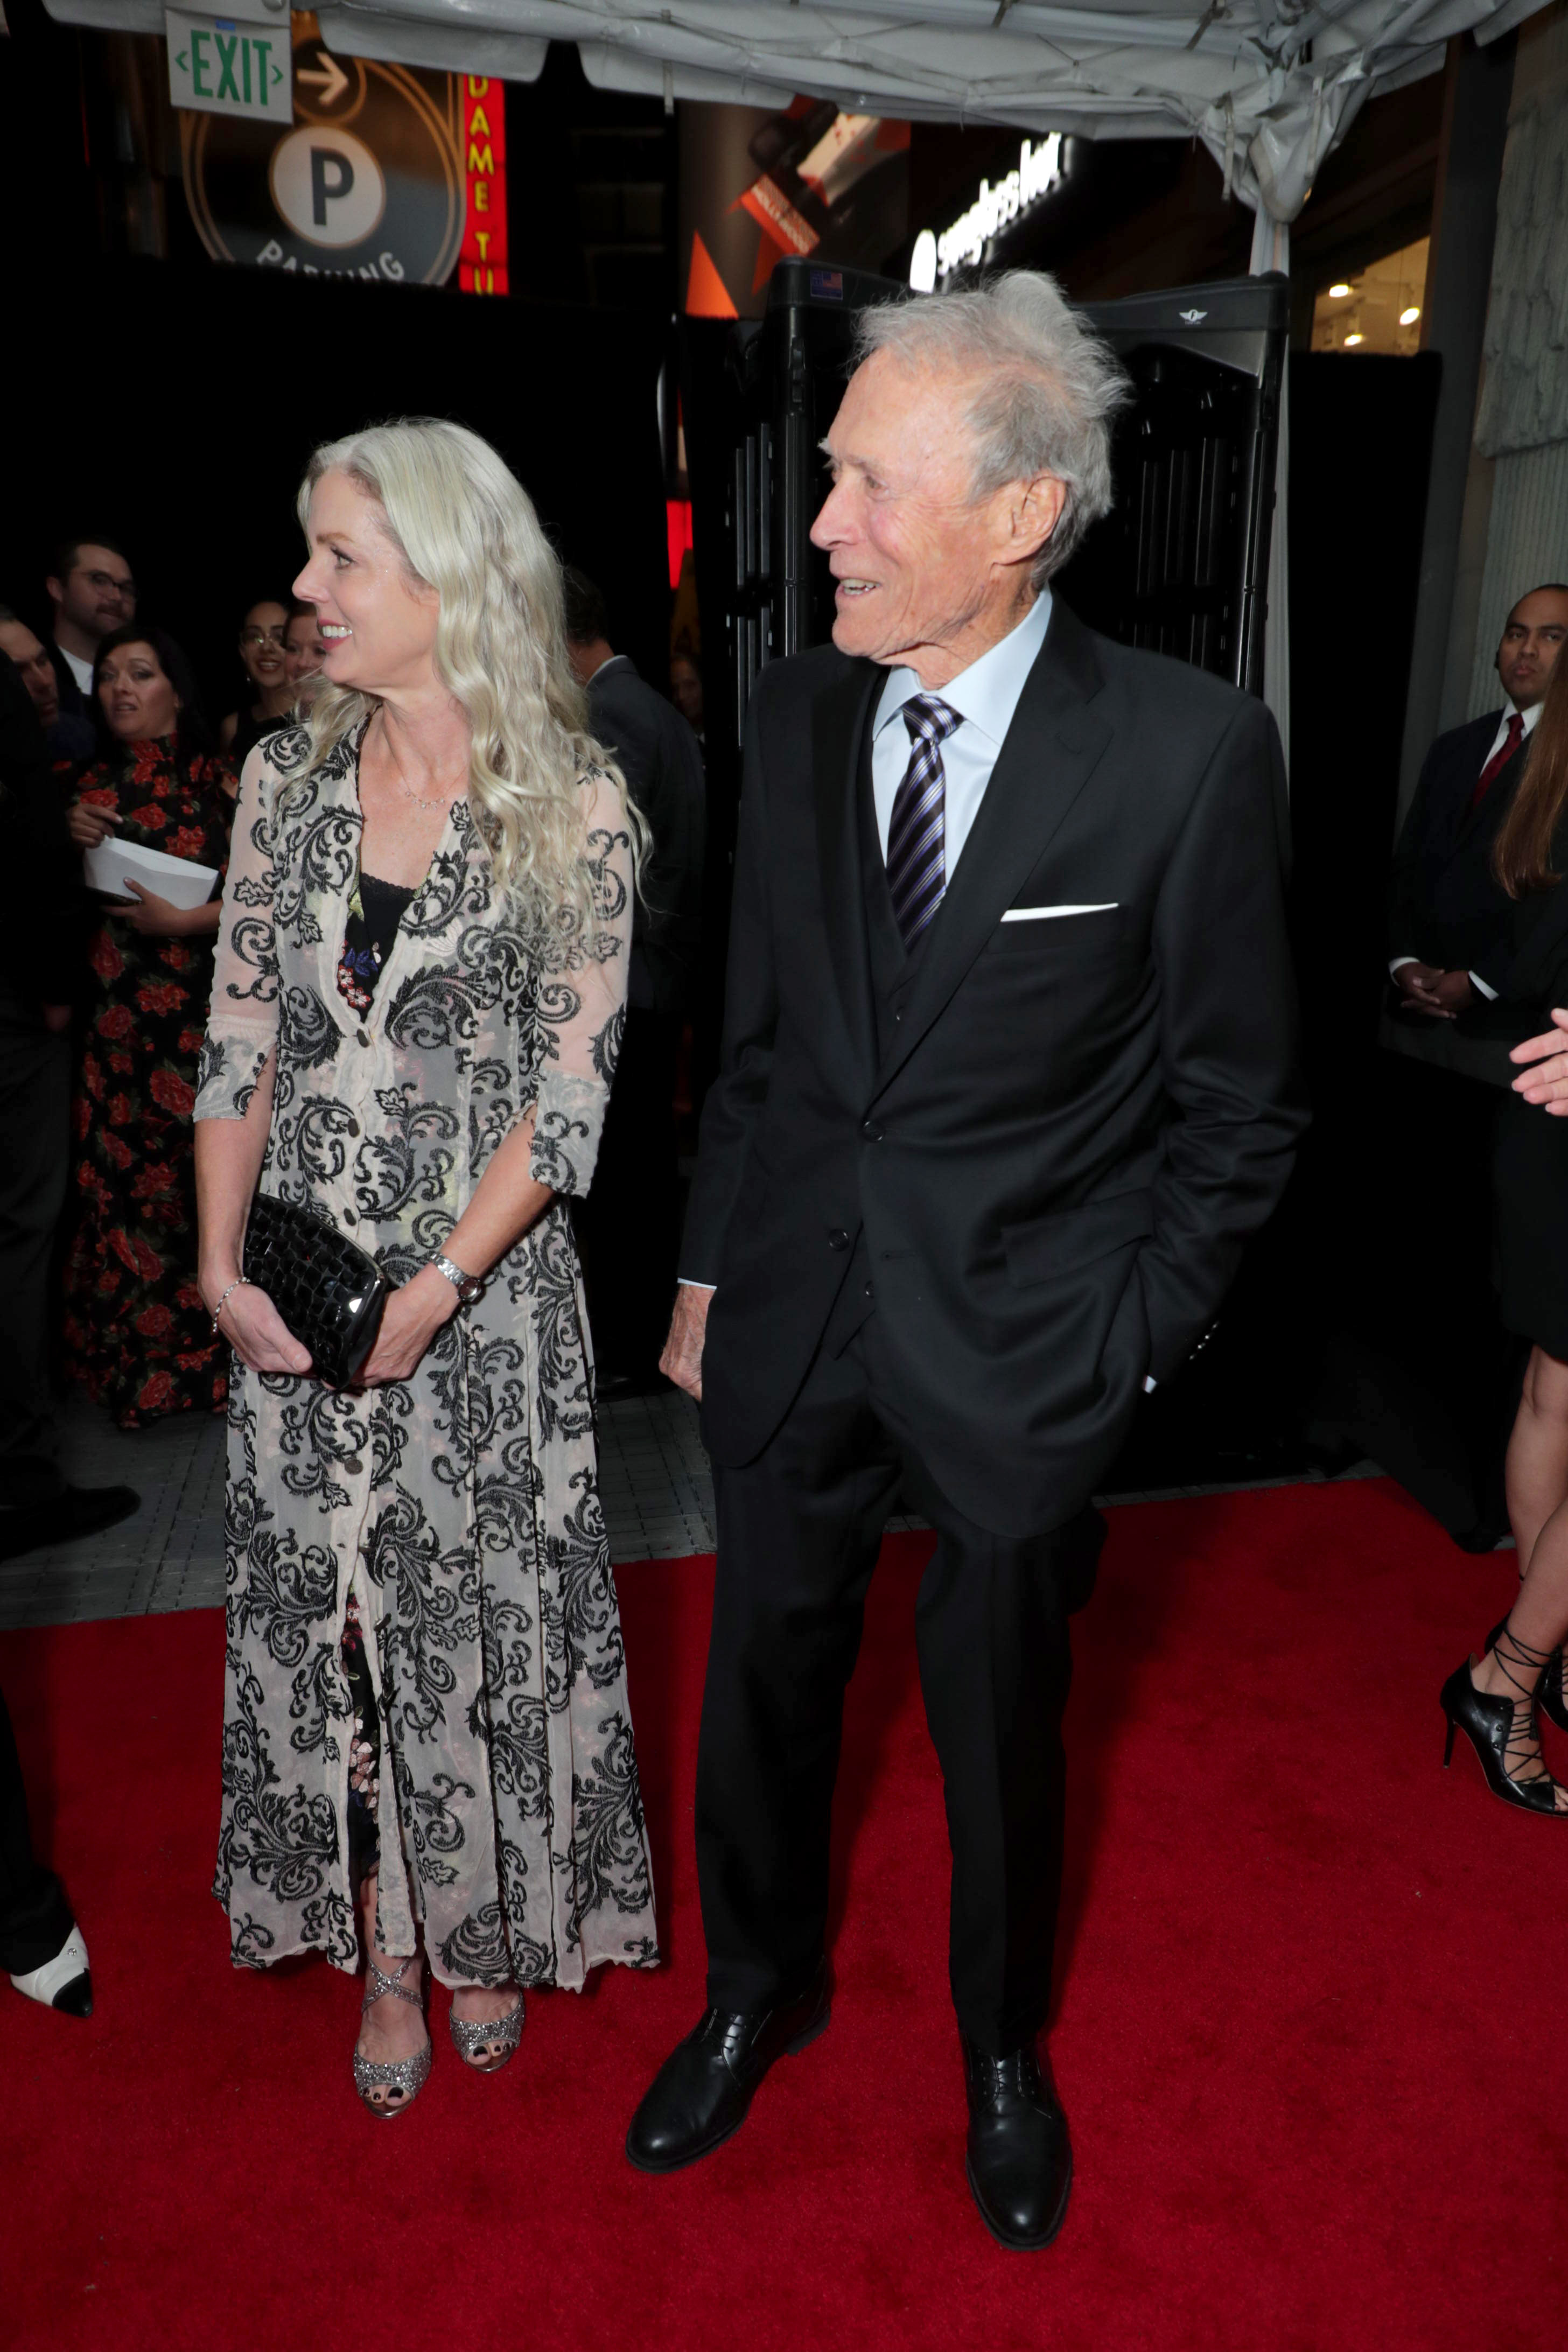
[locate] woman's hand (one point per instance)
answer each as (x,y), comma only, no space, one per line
(255,1329)
(155,917)
(412,1316)
(88,826)
(1547,1084)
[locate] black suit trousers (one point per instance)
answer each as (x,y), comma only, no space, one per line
(799,1530)
(35,1917)
(628,1223)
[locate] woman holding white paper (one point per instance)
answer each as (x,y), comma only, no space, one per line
(136,1335)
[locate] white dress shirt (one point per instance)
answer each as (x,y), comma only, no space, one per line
(1511,710)
(985,694)
(80,670)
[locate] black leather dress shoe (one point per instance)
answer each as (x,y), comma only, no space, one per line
(702,2091)
(74,1512)
(1019,2159)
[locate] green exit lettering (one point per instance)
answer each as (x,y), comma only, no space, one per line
(243,66)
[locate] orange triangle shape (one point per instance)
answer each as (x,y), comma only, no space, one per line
(707,297)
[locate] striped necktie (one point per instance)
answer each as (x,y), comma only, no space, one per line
(917,832)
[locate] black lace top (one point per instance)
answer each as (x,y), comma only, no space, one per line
(374,912)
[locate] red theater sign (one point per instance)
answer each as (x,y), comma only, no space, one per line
(481,266)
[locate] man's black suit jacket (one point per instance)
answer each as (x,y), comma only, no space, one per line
(658,756)
(1084,1115)
(1447,908)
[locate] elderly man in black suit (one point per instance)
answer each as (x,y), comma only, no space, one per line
(1450,916)
(1008,1079)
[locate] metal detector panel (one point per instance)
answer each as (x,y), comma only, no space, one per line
(1179,566)
(1181,563)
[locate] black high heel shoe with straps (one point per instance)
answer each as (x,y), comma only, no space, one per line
(1550,1697)
(1493,1725)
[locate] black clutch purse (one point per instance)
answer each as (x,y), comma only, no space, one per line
(329,1291)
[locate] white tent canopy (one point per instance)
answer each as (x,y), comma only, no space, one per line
(1267,85)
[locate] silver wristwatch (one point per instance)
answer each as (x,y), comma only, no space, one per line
(467,1286)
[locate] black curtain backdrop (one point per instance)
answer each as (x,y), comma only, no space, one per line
(174,411)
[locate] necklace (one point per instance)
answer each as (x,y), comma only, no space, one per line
(440,800)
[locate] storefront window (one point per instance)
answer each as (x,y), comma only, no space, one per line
(1377,310)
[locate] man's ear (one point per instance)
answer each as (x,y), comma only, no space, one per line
(56,593)
(1037,507)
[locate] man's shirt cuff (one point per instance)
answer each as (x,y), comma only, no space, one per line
(1479,984)
(684,1282)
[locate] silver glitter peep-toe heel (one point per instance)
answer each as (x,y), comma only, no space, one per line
(405,2077)
(486,2043)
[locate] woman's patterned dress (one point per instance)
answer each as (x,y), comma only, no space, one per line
(462,1506)
(136,1333)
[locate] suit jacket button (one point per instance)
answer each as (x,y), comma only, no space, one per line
(838,1238)
(870,1290)
(871,1131)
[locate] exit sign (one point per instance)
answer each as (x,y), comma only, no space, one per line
(230,65)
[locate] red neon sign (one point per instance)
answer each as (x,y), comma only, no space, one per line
(481,264)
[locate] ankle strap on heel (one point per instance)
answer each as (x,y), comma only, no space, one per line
(380,1984)
(1511,1652)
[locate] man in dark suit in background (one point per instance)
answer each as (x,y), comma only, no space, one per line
(1449,914)
(628,1224)
(68,735)
(43,950)
(90,591)
(1008,1079)
(1430,1382)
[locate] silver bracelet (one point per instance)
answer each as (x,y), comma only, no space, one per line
(240,1282)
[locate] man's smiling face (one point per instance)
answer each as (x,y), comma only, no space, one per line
(927,574)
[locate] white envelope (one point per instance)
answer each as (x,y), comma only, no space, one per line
(180,880)
(1045,914)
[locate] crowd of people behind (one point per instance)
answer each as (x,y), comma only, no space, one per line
(104,1231)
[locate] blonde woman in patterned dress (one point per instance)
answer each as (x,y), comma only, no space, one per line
(418,999)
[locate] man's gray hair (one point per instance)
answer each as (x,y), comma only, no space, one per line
(1046,388)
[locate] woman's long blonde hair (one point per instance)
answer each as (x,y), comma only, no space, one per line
(1522,853)
(465,525)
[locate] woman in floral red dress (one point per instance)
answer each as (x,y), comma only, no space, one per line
(137,1335)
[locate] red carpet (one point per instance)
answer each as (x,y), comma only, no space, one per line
(1310,2033)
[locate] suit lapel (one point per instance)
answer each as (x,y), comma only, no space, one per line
(1053,747)
(839,720)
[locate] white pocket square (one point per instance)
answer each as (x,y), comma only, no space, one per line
(1045,914)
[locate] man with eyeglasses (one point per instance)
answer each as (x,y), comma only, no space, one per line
(91,590)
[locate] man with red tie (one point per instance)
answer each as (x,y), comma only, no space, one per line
(1448,910)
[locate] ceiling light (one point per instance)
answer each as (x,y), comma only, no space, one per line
(1352,340)
(1336,291)
(1408,318)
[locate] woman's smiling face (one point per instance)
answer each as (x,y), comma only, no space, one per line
(304,648)
(377,623)
(261,645)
